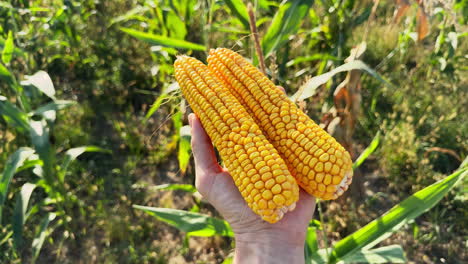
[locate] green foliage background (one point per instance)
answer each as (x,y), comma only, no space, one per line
(110,63)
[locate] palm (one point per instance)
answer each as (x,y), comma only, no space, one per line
(226,198)
(217,186)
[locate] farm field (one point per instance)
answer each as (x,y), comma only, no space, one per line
(96,164)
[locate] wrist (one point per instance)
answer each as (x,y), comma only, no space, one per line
(268,248)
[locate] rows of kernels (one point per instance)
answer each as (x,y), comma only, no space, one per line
(256,167)
(262,171)
(320,164)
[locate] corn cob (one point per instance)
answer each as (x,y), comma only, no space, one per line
(320,164)
(259,172)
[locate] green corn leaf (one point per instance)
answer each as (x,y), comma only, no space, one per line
(40,138)
(320,256)
(41,235)
(6,237)
(193,223)
(41,80)
(20,213)
(13,116)
(34,9)
(313,83)
(39,134)
(175,26)
(14,162)
(130,15)
(311,243)
(48,111)
(218,27)
(187,9)
(286,22)
(162,40)
(387,254)
(8,48)
(368,151)
(182,187)
(239,9)
(182,137)
(382,227)
(159,101)
(5,74)
(53,106)
(320,56)
(32,162)
(184,148)
(16,51)
(262,20)
(6,5)
(228,260)
(73,153)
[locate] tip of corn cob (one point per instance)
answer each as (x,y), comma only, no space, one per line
(343,185)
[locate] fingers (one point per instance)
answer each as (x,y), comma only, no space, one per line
(308,202)
(281,88)
(202,148)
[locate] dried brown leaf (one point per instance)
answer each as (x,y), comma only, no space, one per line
(347,103)
(423,23)
(341,97)
(357,52)
(402,8)
(333,126)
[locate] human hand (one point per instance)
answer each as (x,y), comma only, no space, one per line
(256,240)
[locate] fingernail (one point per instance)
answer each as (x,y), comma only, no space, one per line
(190,120)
